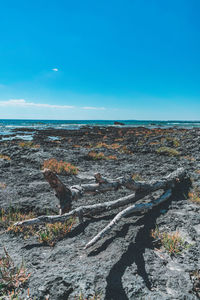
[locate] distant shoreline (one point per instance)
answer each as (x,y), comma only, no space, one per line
(24,129)
(100,120)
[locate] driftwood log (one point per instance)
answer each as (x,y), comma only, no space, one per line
(62,192)
(67,195)
(141,188)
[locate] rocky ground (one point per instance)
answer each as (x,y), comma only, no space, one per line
(127,263)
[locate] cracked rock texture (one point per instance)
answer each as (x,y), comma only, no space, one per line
(126,263)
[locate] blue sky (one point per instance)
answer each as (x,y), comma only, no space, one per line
(130,59)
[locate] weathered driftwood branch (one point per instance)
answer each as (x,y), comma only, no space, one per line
(131,209)
(84,210)
(67,194)
(141,186)
(103,184)
(72,192)
(62,192)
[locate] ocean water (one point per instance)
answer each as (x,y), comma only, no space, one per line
(7,126)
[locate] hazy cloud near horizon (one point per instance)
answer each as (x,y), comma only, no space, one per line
(19,108)
(24,103)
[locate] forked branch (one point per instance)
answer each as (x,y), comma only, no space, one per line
(67,195)
(141,188)
(83,210)
(143,207)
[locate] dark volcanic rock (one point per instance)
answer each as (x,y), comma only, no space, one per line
(118,123)
(126,263)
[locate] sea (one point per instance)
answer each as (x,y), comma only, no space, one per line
(8,125)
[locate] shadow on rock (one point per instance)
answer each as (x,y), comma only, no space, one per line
(81,227)
(136,250)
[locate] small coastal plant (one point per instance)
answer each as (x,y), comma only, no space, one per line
(195,278)
(101,145)
(28,144)
(141,143)
(12,277)
(60,167)
(51,233)
(154,143)
(173,243)
(93,155)
(111,157)
(175,142)
(194,195)
(137,177)
(5,157)
(190,158)
(168,151)
(113,146)
(2,185)
(125,150)
(96,296)
(48,233)
(11,216)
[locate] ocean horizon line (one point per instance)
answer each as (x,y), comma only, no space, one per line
(106,120)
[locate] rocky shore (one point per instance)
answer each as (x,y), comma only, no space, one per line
(128,263)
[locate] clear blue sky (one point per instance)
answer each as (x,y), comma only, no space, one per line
(127,59)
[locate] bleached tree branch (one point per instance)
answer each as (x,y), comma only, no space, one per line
(131,209)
